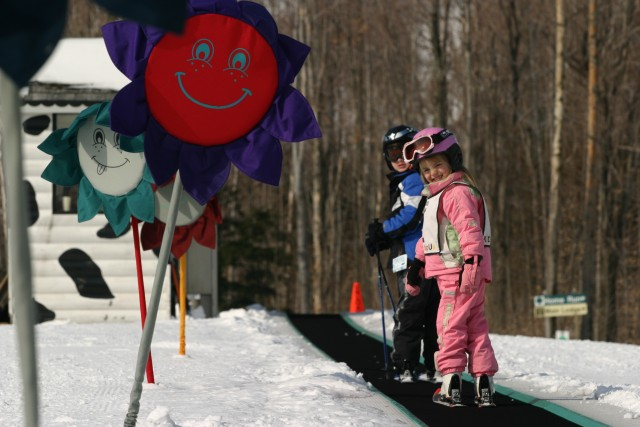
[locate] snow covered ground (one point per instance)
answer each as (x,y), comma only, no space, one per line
(249,367)
(596,379)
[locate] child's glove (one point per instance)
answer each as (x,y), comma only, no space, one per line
(414,277)
(376,239)
(469,278)
(414,291)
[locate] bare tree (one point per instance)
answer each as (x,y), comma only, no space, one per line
(551,248)
(303,282)
(588,270)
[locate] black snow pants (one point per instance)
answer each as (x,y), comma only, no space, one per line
(415,327)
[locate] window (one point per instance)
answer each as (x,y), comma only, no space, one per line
(65,199)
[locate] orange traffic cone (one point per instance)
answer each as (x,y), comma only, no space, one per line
(357,305)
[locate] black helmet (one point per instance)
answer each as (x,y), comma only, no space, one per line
(395,138)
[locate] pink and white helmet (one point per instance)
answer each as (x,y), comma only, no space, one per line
(431,141)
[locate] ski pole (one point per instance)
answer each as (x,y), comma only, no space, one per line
(386,283)
(384,329)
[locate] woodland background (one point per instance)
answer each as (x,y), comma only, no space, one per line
(544,98)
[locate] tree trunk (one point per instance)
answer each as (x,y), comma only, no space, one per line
(439,37)
(468,98)
(551,242)
(590,221)
(303,283)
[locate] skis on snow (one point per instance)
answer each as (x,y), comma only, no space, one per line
(453,401)
(450,392)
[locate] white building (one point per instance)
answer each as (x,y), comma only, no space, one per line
(76,274)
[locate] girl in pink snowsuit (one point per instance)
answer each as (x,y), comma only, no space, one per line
(455,249)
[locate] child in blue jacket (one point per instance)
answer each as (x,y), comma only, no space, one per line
(414,327)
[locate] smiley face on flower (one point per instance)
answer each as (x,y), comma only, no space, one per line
(217,94)
(108,168)
(221,77)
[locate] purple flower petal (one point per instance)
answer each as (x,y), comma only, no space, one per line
(162,153)
(203,170)
(153,34)
(225,7)
(127,46)
(260,18)
(259,156)
(129,110)
(296,53)
(291,118)
(168,14)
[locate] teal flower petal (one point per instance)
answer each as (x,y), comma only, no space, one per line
(102,114)
(54,144)
(146,175)
(141,202)
(62,172)
(117,212)
(132,144)
(89,202)
(72,130)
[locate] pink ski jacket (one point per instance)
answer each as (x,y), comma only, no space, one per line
(461,210)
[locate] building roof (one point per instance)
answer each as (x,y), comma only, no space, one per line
(79,71)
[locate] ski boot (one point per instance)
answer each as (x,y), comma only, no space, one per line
(450,393)
(428,376)
(405,374)
(433,376)
(484,391)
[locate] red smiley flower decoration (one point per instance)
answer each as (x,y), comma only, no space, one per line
(219,93)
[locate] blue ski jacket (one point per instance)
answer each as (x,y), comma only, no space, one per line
(404,224)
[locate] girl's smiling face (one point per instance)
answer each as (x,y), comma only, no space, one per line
(436,168)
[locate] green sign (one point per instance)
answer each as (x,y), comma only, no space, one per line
(560,305)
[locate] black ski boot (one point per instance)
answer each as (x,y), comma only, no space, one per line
(405,374)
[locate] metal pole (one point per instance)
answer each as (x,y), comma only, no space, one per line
(386,284)
(152,312)
(384,329)
(19,256)
(183,304)
(141,294)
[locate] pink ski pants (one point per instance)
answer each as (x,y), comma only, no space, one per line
(463,329)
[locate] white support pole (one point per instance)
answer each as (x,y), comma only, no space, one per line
(152,312)
(19,253)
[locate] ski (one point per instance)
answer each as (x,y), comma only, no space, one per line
(434,379)
(453,398)
(417,378)
(485,404)
(484,391)
(485,400)
(405,377)
(452,401)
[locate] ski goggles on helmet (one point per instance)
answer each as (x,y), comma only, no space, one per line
(423,144)
(393,153)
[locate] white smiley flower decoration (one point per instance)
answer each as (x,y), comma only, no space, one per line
(109,168)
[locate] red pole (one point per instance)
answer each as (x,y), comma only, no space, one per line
(143,299)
